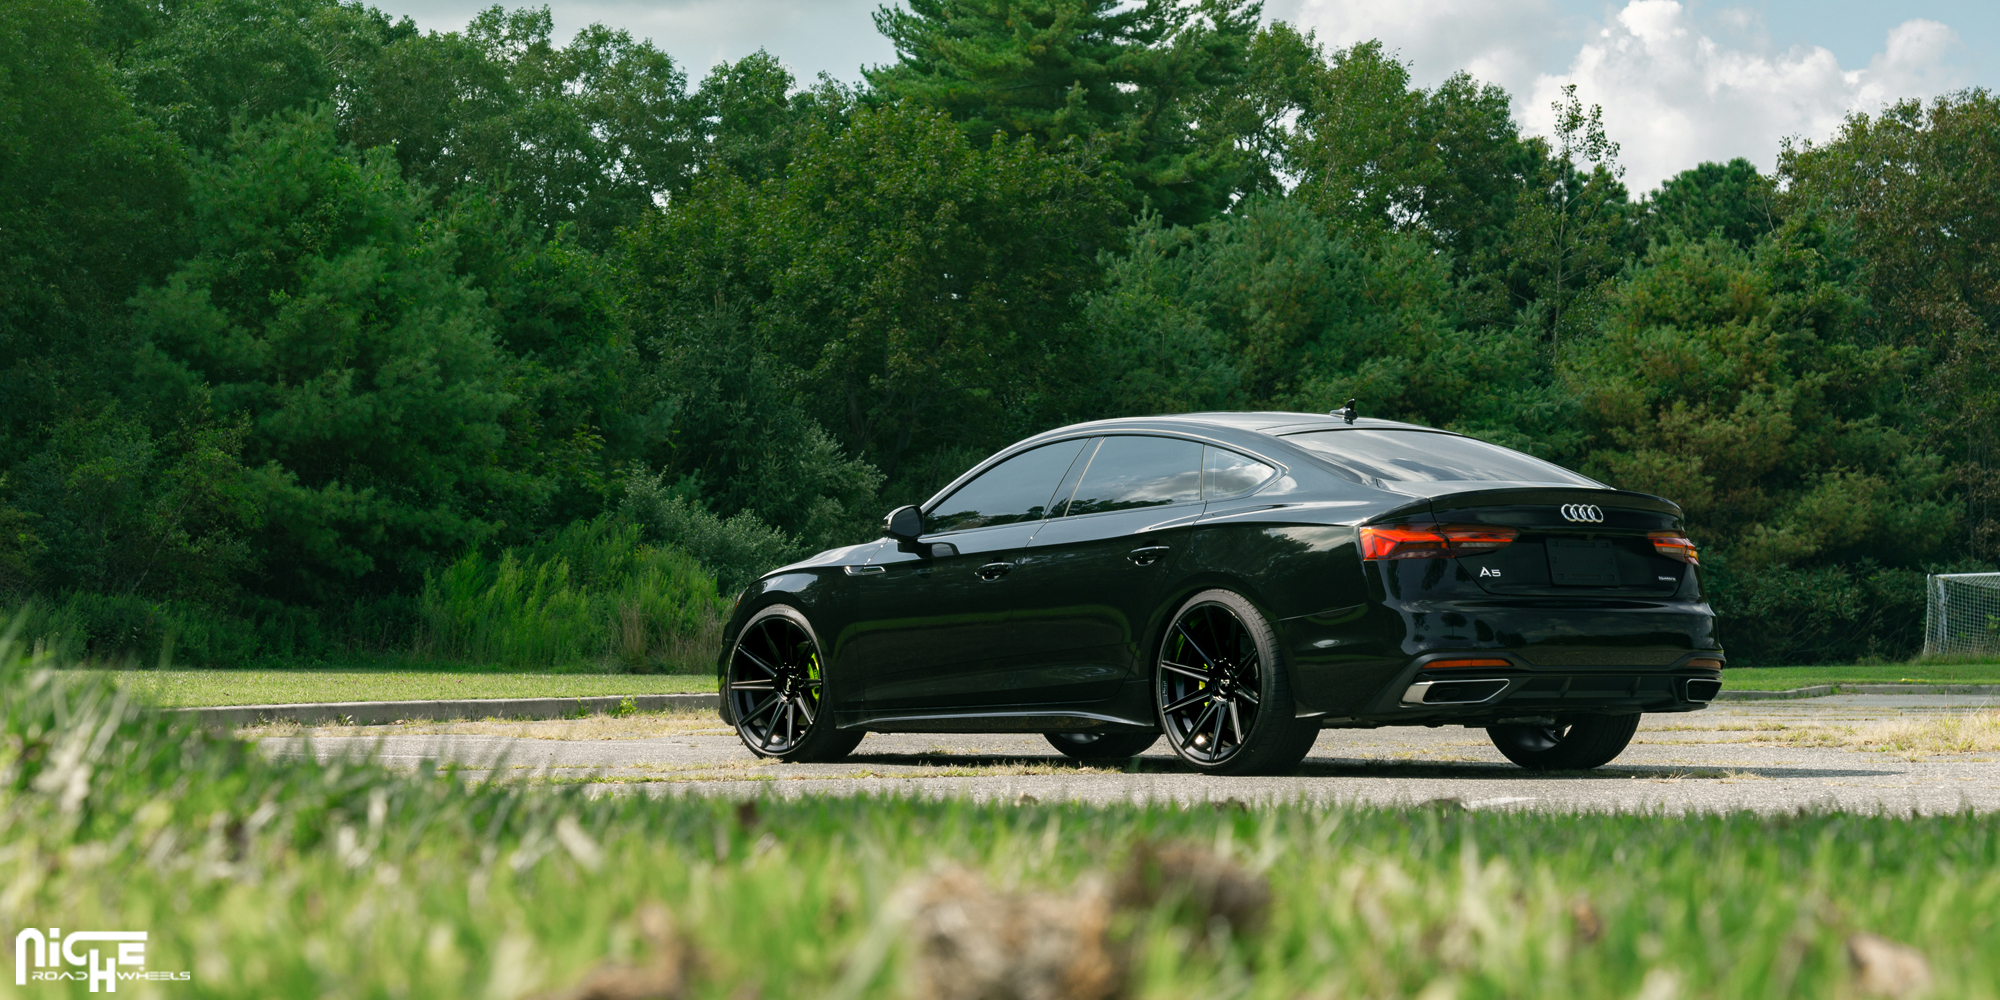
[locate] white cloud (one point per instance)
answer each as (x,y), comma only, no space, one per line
(1498,41)
(1674,96)
(1674,93)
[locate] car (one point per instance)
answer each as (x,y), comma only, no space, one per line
(1236,582)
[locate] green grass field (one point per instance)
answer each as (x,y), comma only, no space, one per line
(1786,678)
(195,688)
(266,877)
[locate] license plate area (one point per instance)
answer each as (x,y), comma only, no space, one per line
(1582,562)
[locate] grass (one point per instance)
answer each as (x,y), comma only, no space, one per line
(1971,732)
(196,688)
(1786,678)
(266,877)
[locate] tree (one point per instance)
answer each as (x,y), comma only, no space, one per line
(1731,199)
(91,200)
(1123,82)
(323,311)
(1920,185)
(1569,231)
(1447,164)
(917,289)
(1741,384)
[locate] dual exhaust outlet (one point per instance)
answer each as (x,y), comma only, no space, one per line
(1473,692)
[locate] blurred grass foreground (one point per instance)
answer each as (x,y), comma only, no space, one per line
(264,877)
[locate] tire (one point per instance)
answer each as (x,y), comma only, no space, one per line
(1102,746)
(1227,709)
(1578,743)
(777,687)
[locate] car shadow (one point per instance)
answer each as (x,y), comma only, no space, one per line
(1363,767)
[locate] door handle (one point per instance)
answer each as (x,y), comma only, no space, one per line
(994,570)
(1148,555)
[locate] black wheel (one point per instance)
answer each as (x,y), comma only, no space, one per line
(1220,690)
(1573,744)
(777,690)
(1102,746)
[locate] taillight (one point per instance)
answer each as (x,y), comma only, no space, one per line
(1432,541)
(1675,546)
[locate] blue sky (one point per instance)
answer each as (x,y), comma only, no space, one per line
(1680,80)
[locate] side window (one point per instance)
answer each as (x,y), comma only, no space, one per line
(1134,471)
(1226,474)
(1017,489)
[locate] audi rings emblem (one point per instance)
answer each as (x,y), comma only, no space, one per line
(1586,512)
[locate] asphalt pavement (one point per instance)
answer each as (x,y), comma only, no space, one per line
(1764,756)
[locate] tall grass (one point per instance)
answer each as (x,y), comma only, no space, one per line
(592,596)
(290,877)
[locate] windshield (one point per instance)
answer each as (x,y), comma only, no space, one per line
(1382,457)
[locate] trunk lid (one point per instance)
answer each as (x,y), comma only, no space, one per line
(1572,541)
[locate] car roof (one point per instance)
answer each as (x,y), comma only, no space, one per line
(1273,423)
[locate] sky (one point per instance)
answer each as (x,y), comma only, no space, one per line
(1680,81)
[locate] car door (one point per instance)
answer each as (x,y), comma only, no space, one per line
(1099,569)
(938,626)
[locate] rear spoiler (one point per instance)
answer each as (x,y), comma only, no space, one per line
(1531,495)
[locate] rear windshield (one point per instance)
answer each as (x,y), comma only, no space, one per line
(1380,457)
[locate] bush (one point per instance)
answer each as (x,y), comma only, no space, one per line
(593,595)
(1779,616)
(132,630)
(736,550)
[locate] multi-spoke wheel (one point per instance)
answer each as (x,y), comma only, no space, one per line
(1221,693)
(1572,744)
(776,686)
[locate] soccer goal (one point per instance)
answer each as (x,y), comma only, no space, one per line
(1962,615)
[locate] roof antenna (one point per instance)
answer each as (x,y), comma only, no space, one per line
(1346,412)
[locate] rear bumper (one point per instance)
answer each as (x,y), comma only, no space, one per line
(1522,691)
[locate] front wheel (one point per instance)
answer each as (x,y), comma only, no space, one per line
(1574,744)
(1220,690)
(1102,746)
(777,690)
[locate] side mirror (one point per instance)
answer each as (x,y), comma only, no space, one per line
(904,524)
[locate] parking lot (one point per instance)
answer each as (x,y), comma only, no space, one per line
(1896,753)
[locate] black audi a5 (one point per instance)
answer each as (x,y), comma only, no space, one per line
(1237,582)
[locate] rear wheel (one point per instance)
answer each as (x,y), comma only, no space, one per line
(777,690)
(1573,744)
(1102,746)
(1220,691)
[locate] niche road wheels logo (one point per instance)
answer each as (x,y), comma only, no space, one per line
(78,957)
(1588,513)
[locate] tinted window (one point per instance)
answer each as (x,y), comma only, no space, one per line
(1227,474)
(1130,472)
(1379,457)
(1017,489)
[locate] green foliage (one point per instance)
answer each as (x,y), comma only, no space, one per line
(913,289)
(1731,200)
(323,311)
(302,304)
(113,510)
(591,595)
(737,549)
(1920,187)
(130,630)
(91,199)
(1125,82)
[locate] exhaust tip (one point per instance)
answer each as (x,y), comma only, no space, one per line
(1452,692)
(1703,690)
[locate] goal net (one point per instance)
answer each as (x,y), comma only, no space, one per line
(1962,615)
